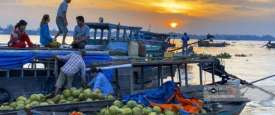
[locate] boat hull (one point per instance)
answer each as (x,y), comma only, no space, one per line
(223,106)
(209,44)
(272,45)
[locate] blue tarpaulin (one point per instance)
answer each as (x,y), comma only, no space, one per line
(15,59)
(101,82)
(108,73)
(159,95)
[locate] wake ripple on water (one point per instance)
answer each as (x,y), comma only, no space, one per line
(268,103)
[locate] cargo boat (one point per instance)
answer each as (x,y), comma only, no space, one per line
(132,72)
(212,44)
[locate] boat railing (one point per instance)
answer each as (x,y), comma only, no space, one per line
(36,66)
(121,32)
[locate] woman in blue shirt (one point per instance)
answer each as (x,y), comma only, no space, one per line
(45,36)
(101,82)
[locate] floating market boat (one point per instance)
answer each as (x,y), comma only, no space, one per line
(134,76)
(28,71)
(212,44)
(270,45)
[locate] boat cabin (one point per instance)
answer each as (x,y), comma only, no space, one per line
(119,39)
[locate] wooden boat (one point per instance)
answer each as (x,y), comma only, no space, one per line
(150,44)
(270,45)
(127,79)
(212,44)
(134,77)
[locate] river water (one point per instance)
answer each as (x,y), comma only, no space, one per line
(259,63)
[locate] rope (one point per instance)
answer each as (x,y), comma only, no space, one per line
(265,78)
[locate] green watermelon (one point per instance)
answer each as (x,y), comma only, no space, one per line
(131,104)
(137,111)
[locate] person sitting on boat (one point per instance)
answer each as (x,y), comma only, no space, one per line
(74,64)
(19,37)
(185,38)
(81,33)
(45,36)
(101,82)
(61,20)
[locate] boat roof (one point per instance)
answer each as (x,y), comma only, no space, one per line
(97,25)
(154,34)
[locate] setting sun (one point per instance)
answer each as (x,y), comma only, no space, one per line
(174,24)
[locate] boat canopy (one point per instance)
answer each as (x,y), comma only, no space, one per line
(15,59)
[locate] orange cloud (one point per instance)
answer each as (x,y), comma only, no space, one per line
(181,7)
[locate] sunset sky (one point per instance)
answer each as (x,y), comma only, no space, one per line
(194,16)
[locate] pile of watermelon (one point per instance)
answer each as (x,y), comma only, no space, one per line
(68,96)
(132,108)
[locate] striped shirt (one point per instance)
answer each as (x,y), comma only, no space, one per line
(74,64)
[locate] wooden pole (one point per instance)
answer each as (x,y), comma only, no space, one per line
(95,33)
(131,34)
(109,34)
(186,75)
(213,73)
(124,34)
(117,82)
(101,34)
(142,77)
(179,77)
(159,75)
(56,68)
(171,73)
(201,83)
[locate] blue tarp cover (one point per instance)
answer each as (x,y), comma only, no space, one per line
(17,58)
(101,82)
(159,95)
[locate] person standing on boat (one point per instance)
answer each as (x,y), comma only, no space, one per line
(101,82)
(81,33)
(185,38)
(45,36)
(209,37)
(74,64)
(61,20)
(19,38)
